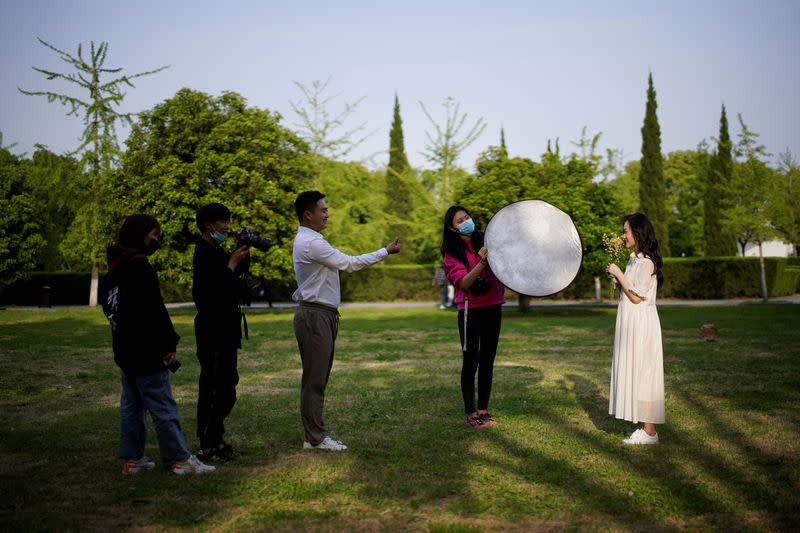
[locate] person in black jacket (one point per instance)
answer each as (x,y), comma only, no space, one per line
(217,327)
(144,344)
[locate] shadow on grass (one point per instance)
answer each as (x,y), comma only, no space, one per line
(556,452)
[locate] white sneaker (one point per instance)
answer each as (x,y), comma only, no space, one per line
(641,437)
(327,444)
(134,466)
(192,465)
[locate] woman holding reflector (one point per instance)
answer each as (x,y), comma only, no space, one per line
(479,297)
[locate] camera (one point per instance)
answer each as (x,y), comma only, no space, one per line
(172,367)
(480,286)
(246,237)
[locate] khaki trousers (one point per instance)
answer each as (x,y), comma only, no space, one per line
(315,328)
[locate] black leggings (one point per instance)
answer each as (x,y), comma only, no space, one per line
(483,332)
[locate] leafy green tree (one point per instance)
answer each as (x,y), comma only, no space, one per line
(786,200)
(356,200)
(21,216)
(719,239)
(625,187)
(444,149)
(683,181)
(568,185)
(748,216)
(193,149)
(96,104)
(62,188)
(684,174)
(651,172)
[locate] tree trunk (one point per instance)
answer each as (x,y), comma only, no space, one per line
(598,296)
(94,285)
(742,244)
(764,292)
(523,303)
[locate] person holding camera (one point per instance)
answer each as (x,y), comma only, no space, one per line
(144,343)
(217,327)
(479,298)
(316,322)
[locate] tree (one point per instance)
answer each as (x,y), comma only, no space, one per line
(444,149)
(21,241)
(651,173)
(399,194)
(786,200)
(684,172)
(99,146)
(748,216)
(193,149)
(320,128)
(62,189)
(400,180)
(588,146)
(568,185)
(719,241)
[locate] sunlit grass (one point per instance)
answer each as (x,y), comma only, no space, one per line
(728,458)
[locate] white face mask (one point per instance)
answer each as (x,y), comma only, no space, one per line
(466,227)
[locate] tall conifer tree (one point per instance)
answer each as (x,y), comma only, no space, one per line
(399,197)
(398,162)
(397,189)
(503,149)
(651,173)
(718,180)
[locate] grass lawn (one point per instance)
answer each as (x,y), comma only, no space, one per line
(729,457)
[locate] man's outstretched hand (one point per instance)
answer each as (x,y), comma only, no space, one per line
(394,246)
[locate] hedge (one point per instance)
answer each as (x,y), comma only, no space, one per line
(727,277)
(49,288)
(692,278)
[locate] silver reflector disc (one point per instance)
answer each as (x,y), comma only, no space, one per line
(534,248)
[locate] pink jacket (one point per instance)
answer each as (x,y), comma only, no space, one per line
(455,271)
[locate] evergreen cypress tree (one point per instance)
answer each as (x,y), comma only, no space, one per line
(718,180)
(651,173)
(503,149)
(398,191)
(398,162)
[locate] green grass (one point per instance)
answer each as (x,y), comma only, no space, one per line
(728,458)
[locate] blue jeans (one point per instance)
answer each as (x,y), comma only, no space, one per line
(149,393)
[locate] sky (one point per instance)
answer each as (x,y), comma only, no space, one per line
(539,70)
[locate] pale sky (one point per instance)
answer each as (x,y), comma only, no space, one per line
(538,69)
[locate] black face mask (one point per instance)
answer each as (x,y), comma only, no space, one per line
(152,247)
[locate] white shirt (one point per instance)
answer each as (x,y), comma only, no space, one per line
(317,265)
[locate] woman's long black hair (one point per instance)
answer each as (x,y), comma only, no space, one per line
(452,243)
(645,236)
(130,242)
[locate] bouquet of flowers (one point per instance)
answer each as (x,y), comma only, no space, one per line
(614,246)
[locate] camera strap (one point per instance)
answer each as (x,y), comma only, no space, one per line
(244,323)
(466,312)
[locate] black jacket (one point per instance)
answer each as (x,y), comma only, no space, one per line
(142,333)
(215,293)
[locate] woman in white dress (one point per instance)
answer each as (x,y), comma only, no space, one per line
(637,370)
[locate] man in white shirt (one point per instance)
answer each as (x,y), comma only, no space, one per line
(316,322)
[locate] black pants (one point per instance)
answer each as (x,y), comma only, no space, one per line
(483,332)
(217,396)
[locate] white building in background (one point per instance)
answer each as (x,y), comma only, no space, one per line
(770,249)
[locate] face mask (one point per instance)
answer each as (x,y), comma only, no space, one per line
(218,237)
(466,227)
(152,247)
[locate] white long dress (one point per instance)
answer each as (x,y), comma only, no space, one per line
(637,369)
